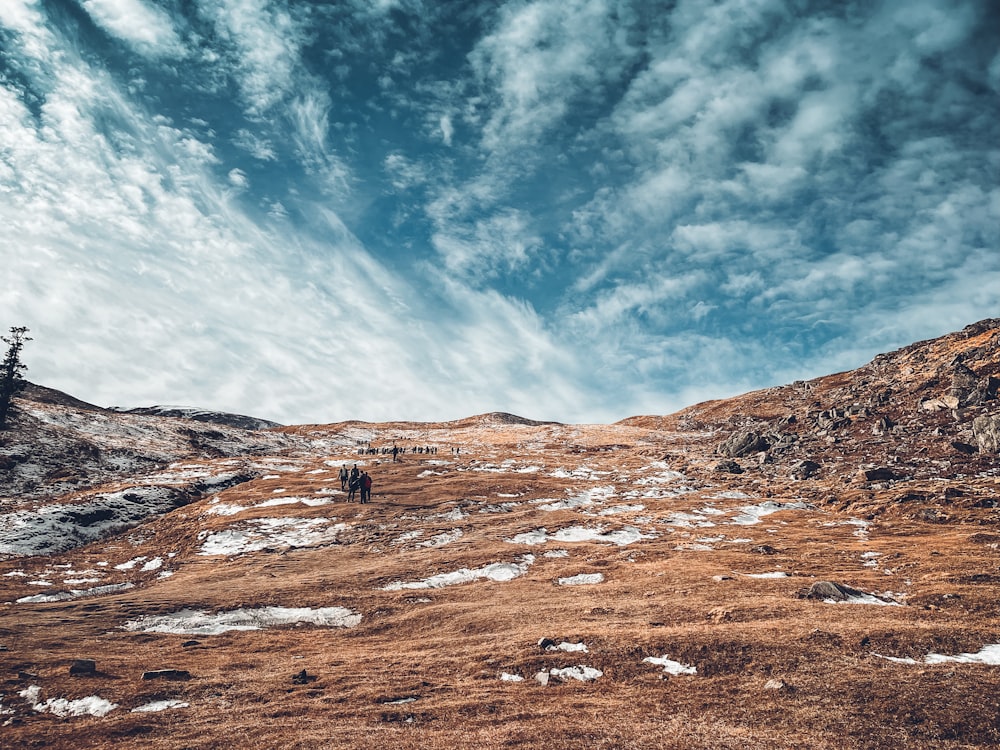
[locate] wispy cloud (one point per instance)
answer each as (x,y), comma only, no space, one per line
(143,26)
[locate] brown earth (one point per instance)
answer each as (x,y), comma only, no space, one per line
(682,540)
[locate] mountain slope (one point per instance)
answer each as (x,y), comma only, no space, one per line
(528,584)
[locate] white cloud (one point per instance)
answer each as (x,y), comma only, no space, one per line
(146,28)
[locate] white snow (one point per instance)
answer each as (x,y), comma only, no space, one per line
(582,579)
(751,514)
(621,537)
(569,647)
(616,509)
(582,673)
(774,574)
(670,666)
(556,553)
(508,677)
(62,596)
(439,540)
(159,706)
(262,533)
(89,706)
(197,622)
(493,572)
(989,655)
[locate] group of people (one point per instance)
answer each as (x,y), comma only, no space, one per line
(354,480)
(367,450)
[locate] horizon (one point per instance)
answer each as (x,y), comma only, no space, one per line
(573,211)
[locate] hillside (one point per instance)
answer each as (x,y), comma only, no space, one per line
(810,566)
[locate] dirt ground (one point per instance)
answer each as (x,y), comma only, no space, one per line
(703,567)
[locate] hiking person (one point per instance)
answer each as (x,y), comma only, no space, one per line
(343,478)
(366,488)
(395,452)
(352,489)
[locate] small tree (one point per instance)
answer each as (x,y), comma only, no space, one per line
(10,371)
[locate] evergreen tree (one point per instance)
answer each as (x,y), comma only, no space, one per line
(10,371)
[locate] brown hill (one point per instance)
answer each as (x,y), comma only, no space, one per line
(812,566)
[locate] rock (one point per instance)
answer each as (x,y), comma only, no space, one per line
(764,549)
(83,667)
(303,678)
(828,590)
(743,443)
(543,678)
(986,430)
(805,469)
(722,578)
(728,467)
(546,643)
(964,447)
(964,386)
(167,674)
(937,404)
(24,675)
(189,644)
(880,474)
(882,425)
(773,684)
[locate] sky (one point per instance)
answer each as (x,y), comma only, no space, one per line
(576,210)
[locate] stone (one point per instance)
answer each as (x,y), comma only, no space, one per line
(773,684)
(964,447)
(546,643)
(764,549)
(743,443)
(879,474)
(303,678)
(542,678)
(828,590)
(986,430)
(805,469)
(83,667)
(728,467)
(189,644)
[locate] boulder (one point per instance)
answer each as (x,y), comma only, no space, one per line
(986,430)
(828,590)
(805,469)
(728,467)
(83,667)
(743,443)
(303,678)
(879,474)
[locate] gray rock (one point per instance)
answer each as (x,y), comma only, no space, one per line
(986,430)
(728,467)
(83,667)
(743,443)
(805,469)
(828,590)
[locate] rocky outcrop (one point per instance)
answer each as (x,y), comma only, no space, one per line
(986,430)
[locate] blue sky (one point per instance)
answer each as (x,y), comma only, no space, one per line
(577,210)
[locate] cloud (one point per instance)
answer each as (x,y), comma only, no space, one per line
(146,28)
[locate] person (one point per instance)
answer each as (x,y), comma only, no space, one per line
(366,488)
(352,489)
(343,478)
(395,452)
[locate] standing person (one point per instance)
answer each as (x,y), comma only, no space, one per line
(343,478)
(352,488)
(366,488)
(395,452)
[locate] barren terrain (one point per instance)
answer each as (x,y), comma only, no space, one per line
(812,566)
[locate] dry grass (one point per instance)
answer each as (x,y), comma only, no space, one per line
(445,648)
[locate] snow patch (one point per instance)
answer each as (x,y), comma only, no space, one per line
(582,579)
(197,622)
(493,572)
